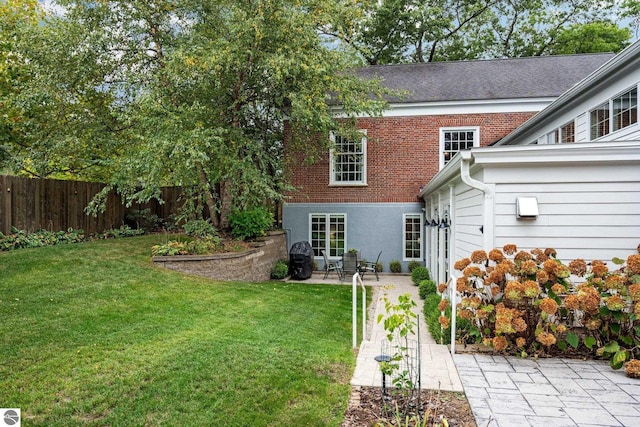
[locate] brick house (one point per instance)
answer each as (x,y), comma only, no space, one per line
(365,194)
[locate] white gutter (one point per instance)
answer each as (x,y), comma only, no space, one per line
(488,222)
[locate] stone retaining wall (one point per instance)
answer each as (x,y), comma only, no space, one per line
(254,265)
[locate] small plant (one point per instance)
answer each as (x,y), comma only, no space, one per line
(280,270)
(413,265)
(123,231)
(427,287)
(419,274)
(199,228)
(395,266)
(250,223)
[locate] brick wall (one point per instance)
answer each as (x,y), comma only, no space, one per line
(402,156)
(254,265)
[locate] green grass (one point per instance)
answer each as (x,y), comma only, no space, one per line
(94,334)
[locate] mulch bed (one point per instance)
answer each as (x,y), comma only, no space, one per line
(366,409)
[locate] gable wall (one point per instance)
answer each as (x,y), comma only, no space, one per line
(402,155)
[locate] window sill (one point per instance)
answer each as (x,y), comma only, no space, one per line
(348,184)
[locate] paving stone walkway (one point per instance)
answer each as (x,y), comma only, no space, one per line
(508,391)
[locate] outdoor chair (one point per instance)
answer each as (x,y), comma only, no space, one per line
(349,264)
(370,266)
(330,266)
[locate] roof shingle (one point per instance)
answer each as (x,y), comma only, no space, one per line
(530,77)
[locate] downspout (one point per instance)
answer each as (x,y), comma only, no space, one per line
(488,222)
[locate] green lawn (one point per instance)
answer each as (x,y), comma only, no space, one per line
(94,334)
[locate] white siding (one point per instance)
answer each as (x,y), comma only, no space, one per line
(468,219)
(582,128)
(593,212)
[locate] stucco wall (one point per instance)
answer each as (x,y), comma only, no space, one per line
(254,265)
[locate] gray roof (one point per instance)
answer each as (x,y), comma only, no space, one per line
(531,77)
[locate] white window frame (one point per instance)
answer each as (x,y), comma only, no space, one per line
(476,139)
(327,242)
(332,155)
(420,238)
(611,114)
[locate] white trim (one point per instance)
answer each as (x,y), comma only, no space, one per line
(404,236)
(476,139)
(327,216)
(332,181)
(517,105)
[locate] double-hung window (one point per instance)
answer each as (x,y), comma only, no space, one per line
(348,160)
(615,114)
(328,232)
(453,140)
(412,238)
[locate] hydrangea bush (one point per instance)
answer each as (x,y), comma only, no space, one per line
(529,302)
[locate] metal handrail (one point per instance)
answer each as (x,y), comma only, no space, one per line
(357,279)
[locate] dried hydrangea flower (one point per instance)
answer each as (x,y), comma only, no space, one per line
(461,264)
(634,292)
(550,252)
(615,282)
(521,342)
(519,324)
(578,267)
(562,328)
(514,291)
(528,268)
(443,304)
(599,270)
(461,285)
(558,289)
(479,256)
(473,271)
(615,303)
(522,256)
(531,289)
(549,306)
(510,249)
(632,368)
(443,286)
(500,343)
(562,271)
(444,321)
(550,266)
(589,298)
(496,255)
(593,324)
(571,302)
(546,339)
(496,277)
(633,264)
(542,277)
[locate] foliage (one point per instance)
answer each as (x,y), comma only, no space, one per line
(280,270)
(432,317)
(199,228)
(445,30)
(147,94)
(395,266)
(144,219)
(591,37)
(413,265)
(124,341)
(427,287)
(20,239)
(419,274)
(528,305)
(400,323)
(252,223)
(198,246)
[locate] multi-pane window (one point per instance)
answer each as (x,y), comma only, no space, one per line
(348,160)
(328,233)
(599,117)
(568,132)
(625,109)
(615,114)
(454,140)
(412,237)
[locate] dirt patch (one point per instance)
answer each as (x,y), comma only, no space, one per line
(366,409)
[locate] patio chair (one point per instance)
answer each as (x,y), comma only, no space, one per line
(330,266)
(370,266)
(349,264)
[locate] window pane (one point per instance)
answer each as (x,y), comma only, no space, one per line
(348,160)
(454,141)
(599,121)
(625,109)
(568,132)
(412,237)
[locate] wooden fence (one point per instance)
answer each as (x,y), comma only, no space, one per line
(33,204)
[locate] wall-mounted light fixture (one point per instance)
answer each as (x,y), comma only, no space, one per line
(445,220)
(434,221)
(527,207)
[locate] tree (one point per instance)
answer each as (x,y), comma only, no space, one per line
(592,37)
(183,92)
(394,31)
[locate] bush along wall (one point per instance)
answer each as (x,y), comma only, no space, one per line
(530,303)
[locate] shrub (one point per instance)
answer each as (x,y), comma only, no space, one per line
(123,231)
(413,265)
(199,228)
(523,302)
(250,223)
(427,287)
(432,315)
(143,219)
(20,239)
(395,266)
(280,270)
(419,274)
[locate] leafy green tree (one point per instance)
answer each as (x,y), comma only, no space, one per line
(591,37)
(146,93)
(393,31)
